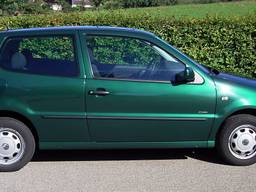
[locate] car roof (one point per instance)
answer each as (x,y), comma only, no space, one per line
(85,28)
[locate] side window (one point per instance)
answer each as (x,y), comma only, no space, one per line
(130,58)
(50,55)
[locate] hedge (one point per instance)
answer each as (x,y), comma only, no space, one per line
(227,44)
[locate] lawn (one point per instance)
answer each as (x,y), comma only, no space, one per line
(196,10)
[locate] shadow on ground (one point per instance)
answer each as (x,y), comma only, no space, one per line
(208,155)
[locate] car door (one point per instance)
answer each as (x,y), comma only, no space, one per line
(130,97)
(45,83)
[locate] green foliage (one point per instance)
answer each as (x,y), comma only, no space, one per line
(146,3)
(114,4)
(13,7)
(97,3)
(10,6)
(49,47)
(225,43)
(197,10)
(122,51)
(66,7)
(33,8)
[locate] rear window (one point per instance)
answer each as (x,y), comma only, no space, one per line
(51,55)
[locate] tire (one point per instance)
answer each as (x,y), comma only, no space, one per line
(236,141)
(17,144)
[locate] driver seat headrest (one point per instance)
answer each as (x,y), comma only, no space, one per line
(18,61)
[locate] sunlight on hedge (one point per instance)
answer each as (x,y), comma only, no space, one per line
(228,44)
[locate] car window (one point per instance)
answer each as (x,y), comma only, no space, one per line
(130,58)
(51,55)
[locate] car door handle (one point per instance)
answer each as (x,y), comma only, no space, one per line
(99,92)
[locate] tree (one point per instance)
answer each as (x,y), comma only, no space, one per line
(10,6)
(16,7)
(97,3)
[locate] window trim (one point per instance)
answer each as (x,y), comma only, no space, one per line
(135,80)
(74,42)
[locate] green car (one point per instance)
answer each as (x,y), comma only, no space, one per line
(109,87)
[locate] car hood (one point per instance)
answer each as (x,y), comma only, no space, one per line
(245,82)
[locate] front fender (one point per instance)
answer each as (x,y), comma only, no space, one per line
(232,98)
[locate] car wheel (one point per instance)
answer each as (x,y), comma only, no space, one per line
(236,141)
(17,144)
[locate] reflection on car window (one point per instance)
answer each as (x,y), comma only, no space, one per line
(130,58)
(50,55)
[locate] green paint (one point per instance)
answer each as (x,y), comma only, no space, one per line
(136,114)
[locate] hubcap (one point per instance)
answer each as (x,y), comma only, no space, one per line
(242,142)
(11,146)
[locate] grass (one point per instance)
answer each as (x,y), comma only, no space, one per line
(227,9)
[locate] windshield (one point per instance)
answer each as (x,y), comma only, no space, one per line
(203,67)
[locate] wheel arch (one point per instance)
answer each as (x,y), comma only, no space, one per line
(248,111)
(23,119)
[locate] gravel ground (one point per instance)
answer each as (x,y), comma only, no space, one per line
(129,171)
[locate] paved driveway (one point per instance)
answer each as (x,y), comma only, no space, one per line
(129,170)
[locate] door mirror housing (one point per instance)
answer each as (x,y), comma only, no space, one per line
(185,76)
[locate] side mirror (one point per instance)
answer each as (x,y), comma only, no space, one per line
(185,76)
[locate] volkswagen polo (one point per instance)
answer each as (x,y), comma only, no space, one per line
(109,87)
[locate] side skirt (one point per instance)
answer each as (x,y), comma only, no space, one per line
(125,145)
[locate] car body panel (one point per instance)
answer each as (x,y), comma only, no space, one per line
(124,145)
(55,105)
(234,94)
(65,117)
(137,111)
(163,111)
